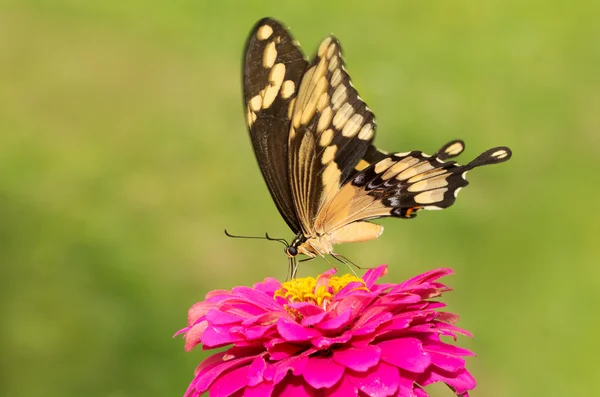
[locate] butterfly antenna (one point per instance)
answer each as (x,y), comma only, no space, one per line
(266,237)
(281,240)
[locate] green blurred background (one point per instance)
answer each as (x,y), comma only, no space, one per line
(124,154)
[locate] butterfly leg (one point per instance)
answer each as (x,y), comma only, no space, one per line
(346,262)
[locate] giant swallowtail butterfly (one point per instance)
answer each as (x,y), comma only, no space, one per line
(312,136)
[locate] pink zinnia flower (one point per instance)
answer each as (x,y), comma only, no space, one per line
(333,336)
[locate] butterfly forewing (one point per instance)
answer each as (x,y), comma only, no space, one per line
(272,70)
(331,130)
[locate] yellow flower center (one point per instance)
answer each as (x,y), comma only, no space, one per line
(319,292)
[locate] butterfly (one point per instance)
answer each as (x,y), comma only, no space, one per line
(312,135)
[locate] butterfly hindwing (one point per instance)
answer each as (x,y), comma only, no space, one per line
(272,70)
(401,184)
(407,182)
(332,128)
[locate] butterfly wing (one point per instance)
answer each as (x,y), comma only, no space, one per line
(272,70)
(332,128)
(401,184)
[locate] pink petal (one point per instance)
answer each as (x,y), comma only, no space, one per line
(257,297)
(205,379)
(322,372)
(306,309)
(229,383)
(217,317)
(194,335)
(256,370)
(293,332)
(264,389)
(380,381)
(199,310)
(297,364)
(268,287)
(343,389)
(426,278)
(356,304)
(373,275)
(358,360)
(217,337)
(405,353)
(446,362)
(335,323)
(279,349)
(294,387)
(309,321)
(461,382)
(264,319)
(433,345)
(371,324)
(324,342)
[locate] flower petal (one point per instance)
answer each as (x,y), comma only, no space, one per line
(256,370)
(194,335)
(297,364)
(446,362)
(206,378)
(461,382)
(230,382)
(426,278)
(335,323)
(380,381)
(268,287)
(343,389)
(294,387)
(279,348)
(293,332)
(358,360)
(264,389)
(307,309)
(324,342)
(373,274)
(322,372)
(405,353)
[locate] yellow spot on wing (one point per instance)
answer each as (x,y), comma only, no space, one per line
(338,97)
(264,32)
(326,137)
(362,164)
(352,126)
(324,122)
(342,116)
(336,77)
(416,170)
(275,81)
(429,184)
(323,46)
(431,196)
(383,165)
(500,154)
(329,154)
(399,167)
(256,103)
(454,149)
(269,55)
(323,101)
(287,89)
(366,132)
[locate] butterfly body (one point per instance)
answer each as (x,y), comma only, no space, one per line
(313,138)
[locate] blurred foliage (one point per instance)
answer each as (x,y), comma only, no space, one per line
(123,155)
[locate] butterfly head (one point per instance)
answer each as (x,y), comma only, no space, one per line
(292,250)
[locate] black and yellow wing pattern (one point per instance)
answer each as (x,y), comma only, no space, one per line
(313,139)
